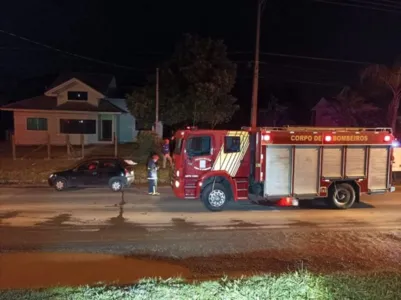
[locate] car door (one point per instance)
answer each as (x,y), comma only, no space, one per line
(107,169)
(86,173)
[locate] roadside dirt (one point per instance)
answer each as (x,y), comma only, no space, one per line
(319,252)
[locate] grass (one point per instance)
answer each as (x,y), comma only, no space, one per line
(298,285)
(33,167)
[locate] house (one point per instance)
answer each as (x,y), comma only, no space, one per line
(74,104)
(323,114)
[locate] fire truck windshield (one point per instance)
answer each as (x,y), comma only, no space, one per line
(178,146)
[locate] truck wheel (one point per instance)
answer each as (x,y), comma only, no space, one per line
(342,196)
(214,197)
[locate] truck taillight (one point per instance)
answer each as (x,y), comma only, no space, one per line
(328,138)
(266,137)
(387,138)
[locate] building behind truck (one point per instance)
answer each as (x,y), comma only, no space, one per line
(335,165)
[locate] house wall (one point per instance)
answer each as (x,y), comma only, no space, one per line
(34,137)
(93,97)
(321,118)
(126,128)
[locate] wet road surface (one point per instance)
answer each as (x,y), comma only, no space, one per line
(243,239)
(91,209)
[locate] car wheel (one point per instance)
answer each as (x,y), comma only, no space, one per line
(60,184)
(116,185)
(214,197)
(342,196)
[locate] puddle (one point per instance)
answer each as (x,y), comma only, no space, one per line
(56,221)
(65,269)
(180,223)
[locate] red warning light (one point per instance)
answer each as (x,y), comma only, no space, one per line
(387,138)
(266,137)
(328,138)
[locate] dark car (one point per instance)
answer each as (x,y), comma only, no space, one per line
(114,172)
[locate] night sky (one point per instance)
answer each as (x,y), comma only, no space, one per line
(138,37)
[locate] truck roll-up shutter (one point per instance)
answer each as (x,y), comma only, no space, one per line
(355,161)
(378,167)
(278,171)
(306,170)
(332,162)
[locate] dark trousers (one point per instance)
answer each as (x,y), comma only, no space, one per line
(152,185)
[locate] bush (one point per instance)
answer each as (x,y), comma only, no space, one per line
(149,143)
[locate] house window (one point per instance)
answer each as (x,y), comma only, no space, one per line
(232,144)
(77,126)
(78,96)
(199,146)
(36,124)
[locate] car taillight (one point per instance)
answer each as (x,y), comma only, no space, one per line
(126,172)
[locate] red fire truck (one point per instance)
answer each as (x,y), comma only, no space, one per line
(332,164)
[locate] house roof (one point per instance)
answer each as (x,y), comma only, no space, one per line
(97,81)
(323,102)
(50,103)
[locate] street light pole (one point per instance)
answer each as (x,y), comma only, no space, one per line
(157,99)
(255,86)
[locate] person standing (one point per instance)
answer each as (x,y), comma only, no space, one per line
(152,175)
(166,153)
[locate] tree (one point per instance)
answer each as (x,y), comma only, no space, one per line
(391,78)
(275,110)
(195,86)
(349,108)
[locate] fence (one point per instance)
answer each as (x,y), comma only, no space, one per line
(56,151)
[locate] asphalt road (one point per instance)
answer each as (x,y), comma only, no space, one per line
(73,237)
(95,207)
(95,220)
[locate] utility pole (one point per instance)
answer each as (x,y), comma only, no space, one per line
(255,86)
(157,99)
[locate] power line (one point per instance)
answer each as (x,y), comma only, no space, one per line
(317,58)
(69,53)
(359,6)
(375,3)
(391,1)
(290,66)
(266,76)
(309,57)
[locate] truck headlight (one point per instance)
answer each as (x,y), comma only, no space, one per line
(177,173)
(177,184)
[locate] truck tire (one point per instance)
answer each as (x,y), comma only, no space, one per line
(342,196)
(214,197)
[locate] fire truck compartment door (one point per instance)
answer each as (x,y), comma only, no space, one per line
(278,171)
(397,159)
(332,162)
(378,168)
(355,161)
(306,170)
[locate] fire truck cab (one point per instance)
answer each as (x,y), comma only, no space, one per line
(332,164)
